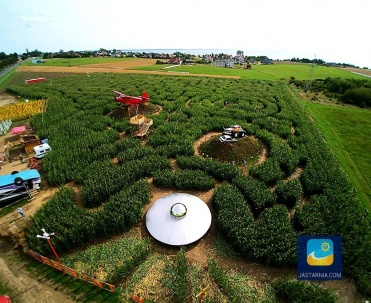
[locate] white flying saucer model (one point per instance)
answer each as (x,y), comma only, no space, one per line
(178,219)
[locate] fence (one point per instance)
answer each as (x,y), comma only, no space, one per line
(4,126)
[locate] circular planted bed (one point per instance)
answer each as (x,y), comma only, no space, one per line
(244,149)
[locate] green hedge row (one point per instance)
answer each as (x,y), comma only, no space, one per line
(255,192)
(218,170)
(184,179)
(291,291)
(76,226)
(111,261)
(270,239)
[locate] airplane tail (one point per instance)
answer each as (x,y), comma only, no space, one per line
(145,96)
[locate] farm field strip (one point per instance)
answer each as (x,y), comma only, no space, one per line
(123,65)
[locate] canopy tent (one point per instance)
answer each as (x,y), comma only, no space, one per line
(178,219)
(18,130)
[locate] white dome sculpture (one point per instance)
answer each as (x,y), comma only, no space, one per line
(178,219)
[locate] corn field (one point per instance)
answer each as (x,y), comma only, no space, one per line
(260,214)
(22,110)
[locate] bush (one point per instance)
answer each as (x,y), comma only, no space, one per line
(175,276)
(255,192)
(276,241)
(358,96)
(289,192)
(112,261)
(237,287)
(234,217)
(268,172)
(184,179)
(291,290)
(220,171)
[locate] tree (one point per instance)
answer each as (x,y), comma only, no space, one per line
(35,53)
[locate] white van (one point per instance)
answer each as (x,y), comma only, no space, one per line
(41,150)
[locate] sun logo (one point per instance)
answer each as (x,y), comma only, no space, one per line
(325,246)
(320,252)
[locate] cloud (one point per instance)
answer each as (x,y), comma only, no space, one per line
(32,21)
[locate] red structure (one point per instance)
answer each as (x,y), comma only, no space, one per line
(137,299)
(47,237)
(130,100)
(36,80)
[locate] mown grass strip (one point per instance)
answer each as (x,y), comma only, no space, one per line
(5,78)
(258,72)
(348,131)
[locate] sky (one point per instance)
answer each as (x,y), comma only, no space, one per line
(331,30)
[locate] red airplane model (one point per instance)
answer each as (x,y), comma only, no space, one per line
(130,100)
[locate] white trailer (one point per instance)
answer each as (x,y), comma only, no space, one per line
(41,150)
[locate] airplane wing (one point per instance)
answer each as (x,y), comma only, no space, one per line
(119,93)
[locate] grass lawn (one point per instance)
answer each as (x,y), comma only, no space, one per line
(348,131)
(259,72)
(5,79)
(76,61)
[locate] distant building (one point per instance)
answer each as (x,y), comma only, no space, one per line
(175,60)
(238,59)
(224,63)
(207,58)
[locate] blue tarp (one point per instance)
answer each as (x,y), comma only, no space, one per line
(25,175)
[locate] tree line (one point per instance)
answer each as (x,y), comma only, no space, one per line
(6,60)
(350,91)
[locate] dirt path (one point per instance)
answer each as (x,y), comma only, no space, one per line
(7,99)
(262,156)
(25,287)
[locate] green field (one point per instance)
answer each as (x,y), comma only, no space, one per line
(348,131)
(260,72)
(76,61)
(4,80)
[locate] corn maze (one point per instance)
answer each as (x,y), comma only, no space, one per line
(22,110)
(300,189)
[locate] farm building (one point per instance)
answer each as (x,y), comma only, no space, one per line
(239,59)
(175,60)
(207,58)
(224,63)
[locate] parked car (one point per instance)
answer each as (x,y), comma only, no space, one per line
(227,139)
(235,131)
